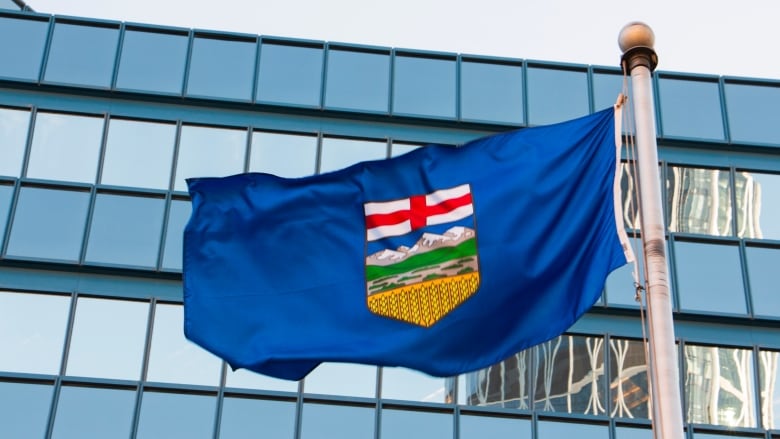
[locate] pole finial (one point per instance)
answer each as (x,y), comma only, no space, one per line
(636,40)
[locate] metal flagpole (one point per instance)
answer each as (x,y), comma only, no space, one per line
(636,41)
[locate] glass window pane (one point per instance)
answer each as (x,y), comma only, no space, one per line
(769,376)
(424,86)
(175,359)
(758,212)
(6,194)
(174,237)
(358,80)
(82,55)
(324,421)
(65,147)
(397,149)
(138,154)
(245,379)
(24,409)
(570,429)
(690,108)
(37,233)
(505,384)
(171,415)
(752,111)
(762,265)
(480,427)
(698,201)
(13,138)
(108,339)
(243,418)
(544,84)
(411,385)
(620,283)
(719,386)
(152,61)
(209,152)
(342,379)
(408,424)
(606,88)
(89,412)
(340,153)
(222,68)
(570,375)
(285,155)
(32,332)
(629,192)
(125,230)
(491,92)
(26,51)
(633,433)
(629,389)
(705,271)
(289,74)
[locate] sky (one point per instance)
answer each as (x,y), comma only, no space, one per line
(719,37)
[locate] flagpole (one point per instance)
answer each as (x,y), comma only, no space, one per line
(636,41)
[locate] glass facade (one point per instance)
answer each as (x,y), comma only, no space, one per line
(93,167)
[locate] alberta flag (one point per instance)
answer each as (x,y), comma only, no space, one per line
(445,260)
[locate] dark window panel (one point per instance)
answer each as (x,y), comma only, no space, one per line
(221,68)
(289,75)
(24,409)
(28,38)
(491,92)
(752,113)
(243,418)
(570,429)
(606,88)
(424,86)
(408,424)
(358,80)
(707,271)
(93,413)
(480,427)
(82,55)
(762,265)
(690,109)
(152,61)
(171,415)
(324,421)
(556,95)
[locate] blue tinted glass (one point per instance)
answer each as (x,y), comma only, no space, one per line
(65,147)
(221,68)
(705,271)
(752,111)
(407,424)
(424,86)
(480,427)
(87,412)
(342,379)
(633,433)
(504,384)
(285,155)
(244,418)
(13,137)
(209,152)
(133,146)
(698,201)
(690,109)
(400,383)
(152,61)
(289,74)
(629,387)
(321,421)
(24,409)
(22,47)
(245,379)
(491,92)
(170,415)
(48,224)
(125,230)
(620,283)
(6,194)
(177,219)
(569,429)
(769,376)
(762,265)
(556,95)
(357,80)
(606,88)
(340,153)
(397,149)
(82,55)
(758,212)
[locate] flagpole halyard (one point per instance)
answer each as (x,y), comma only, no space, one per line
(636,40)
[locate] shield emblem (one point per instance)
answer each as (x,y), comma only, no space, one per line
(421,255)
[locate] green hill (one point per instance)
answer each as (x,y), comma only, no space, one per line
(434,257)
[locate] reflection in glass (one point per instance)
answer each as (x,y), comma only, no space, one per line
(82,55)
(285,155)
(244,379)
(65,147)
(491,92)
(152,61)
(108,339)
(570,429)
(752,111)
(629,387)
(13,132)
(707,271)
(408,424)
(289,74)
(424,86)
(24,409)
(325,421)
(172,415)
(629,192)
(244,418)
(698,201)
(49,224)
(26,51)
(544,83)
(769,380)
(340,153)
(719,386)
(342,379)
(32,332)
(762,265)
(90,412)
(221,68)
(173,358)
(505,384)
(480,427)
(178,216)
(690,108)
(357,80)
(209,152)
(133,146)
(758,212)
(400,383)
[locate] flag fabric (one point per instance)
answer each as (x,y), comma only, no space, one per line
(445,260)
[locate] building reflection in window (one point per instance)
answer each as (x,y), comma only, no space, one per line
(699,201)
(769,391)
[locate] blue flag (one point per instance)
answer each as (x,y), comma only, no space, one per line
(445,260)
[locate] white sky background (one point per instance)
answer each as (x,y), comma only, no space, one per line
(697,36)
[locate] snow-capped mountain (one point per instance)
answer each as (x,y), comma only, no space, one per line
(427,242)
